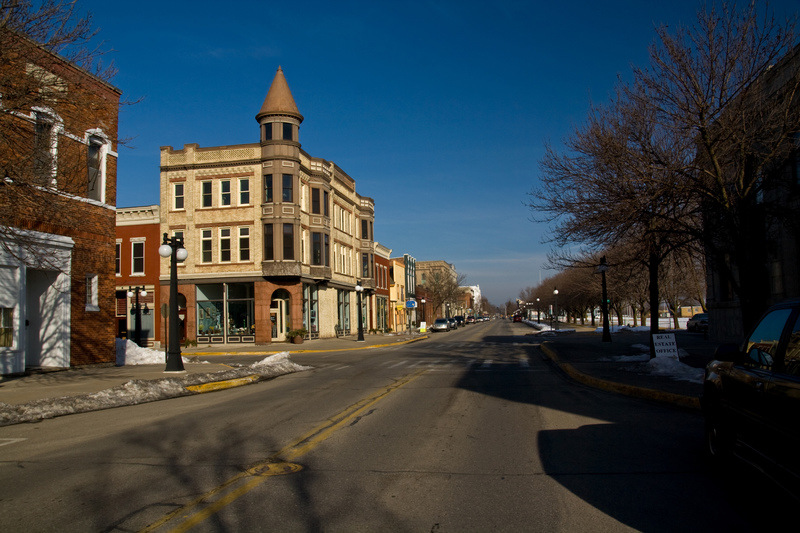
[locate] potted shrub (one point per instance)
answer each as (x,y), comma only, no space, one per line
(296,335)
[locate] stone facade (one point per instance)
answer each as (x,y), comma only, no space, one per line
(277,239)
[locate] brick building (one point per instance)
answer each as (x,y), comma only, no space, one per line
(58,130)
(137,266)
(277,239)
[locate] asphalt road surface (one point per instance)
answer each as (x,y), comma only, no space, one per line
(470,430)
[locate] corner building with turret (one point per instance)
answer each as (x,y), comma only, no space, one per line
(278,240)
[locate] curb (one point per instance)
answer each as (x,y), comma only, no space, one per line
(273,352)
(221,385)
(679,400)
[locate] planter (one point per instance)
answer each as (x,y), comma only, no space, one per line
(297,339)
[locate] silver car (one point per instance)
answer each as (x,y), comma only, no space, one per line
(441,324)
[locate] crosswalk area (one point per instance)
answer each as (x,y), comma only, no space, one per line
(450,363)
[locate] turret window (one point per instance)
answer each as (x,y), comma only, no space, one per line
(288,181)
(287,131)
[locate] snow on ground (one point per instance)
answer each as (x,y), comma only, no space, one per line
(130,353)
(141,391)
(660,366)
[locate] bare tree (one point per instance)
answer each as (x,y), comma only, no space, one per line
(41,99)
(729,83)
(442,287)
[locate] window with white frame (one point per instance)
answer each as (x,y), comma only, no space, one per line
(6,327)
(45,146)
(92,292)
(206,246)
(95,155)
(225,192)
(244,191)
(244,244)
(178,192)
(137,258)
(225,245)
(207,198)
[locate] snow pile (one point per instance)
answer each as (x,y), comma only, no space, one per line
(662,365)
(129,353)
(141,391)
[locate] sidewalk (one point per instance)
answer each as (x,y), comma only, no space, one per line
(18,390)
(622,365)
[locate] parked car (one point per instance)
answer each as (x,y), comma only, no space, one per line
(517,318)
(440,324)
(459,320)
(751,397)
(453,323)
(470,320)
(698,322)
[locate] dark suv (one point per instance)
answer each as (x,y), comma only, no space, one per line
(751,398)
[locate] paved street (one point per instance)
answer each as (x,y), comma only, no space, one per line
(472,430)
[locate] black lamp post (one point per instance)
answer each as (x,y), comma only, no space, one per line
(555,308)
(172,247)
(538,312)
(424,318)
(601,268)
(137,311)
(359,290)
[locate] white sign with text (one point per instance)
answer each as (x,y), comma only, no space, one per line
(665,345)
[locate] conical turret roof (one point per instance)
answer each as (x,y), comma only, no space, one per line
(279,99)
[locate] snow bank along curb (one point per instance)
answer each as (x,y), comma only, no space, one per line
(629,390)
(143,391)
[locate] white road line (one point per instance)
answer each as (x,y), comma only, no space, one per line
(5,442)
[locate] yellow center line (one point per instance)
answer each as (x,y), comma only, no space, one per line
(202,507)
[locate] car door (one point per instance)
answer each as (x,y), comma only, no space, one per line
(783,407)
(747,380)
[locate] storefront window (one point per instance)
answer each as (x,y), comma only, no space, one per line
(311,310)
(343,298)
(210,309)
(241,309)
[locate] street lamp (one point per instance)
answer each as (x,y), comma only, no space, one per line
(359,290)
(538,313)
(172,247)
(136,311)
(601,268)
(555,309)
(424,318)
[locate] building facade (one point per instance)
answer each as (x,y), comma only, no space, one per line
(277,239)
(137,269)
(58,130)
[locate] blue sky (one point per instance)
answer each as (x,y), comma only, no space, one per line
(438,109)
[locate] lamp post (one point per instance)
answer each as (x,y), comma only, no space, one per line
(555,308)
(136,311)
(538,312)
(601,268)
(172,247)
(359,290)
(424,318)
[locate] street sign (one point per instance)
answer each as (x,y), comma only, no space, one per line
(411,304)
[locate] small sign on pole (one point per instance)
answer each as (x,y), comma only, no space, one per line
(665,345)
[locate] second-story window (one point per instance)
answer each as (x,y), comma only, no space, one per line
(94,156)
(137,258)
(325,209)
(225,192)
(288,195)
(206,246)
(244,191)
(207,196)
(269,243)
(287,132)
(315,206)
(44,148)
(288,242)
(244,244)
(178,192)
(225,245)
(118,260)
(268,196)
(316,248)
